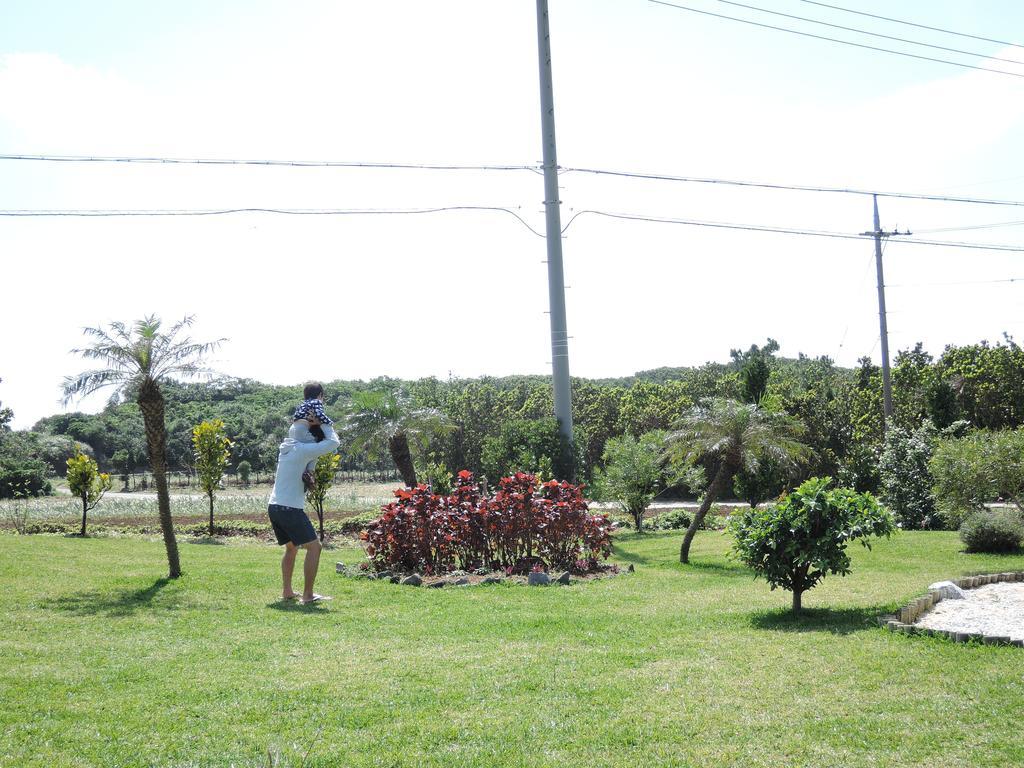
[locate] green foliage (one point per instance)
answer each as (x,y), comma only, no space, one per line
(437,477)
(735,435)
(754,370)
(988,382)
(766,482)
(993,530)
(672,520)
(323,477)
(633,473)
(86,482)
(211,450)
(979,468)
(533,446)
(244,470)
(796,543)
(6,415)
(388,420)
(906,477)
(22,473)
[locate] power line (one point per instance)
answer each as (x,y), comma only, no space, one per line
(782,230)
(103,213)
(837,40)
(913,24)
(292,163)
(534,168)
(971,227)
(790,187)
(866,32)
(957,282)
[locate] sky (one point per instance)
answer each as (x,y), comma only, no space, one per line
(638,86)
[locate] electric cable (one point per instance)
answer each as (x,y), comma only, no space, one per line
(836,40)
(866,32)
(913,24)
(101,213)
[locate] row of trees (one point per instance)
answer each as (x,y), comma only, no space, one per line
(499,425)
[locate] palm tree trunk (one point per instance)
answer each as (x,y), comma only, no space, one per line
(151,401)
(402,456)
(719,484)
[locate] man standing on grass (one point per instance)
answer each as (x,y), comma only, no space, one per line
(287,507)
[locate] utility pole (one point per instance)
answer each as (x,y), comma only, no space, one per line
(878,234)
(556,278)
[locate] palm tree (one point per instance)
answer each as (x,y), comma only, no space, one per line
(379,419)
(136,359)
(734,436)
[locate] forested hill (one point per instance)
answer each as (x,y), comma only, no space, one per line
(841,408)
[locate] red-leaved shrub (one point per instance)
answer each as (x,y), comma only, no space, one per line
(523,526)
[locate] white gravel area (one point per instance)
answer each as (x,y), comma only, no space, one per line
(995,609)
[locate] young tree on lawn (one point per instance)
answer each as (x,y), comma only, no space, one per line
(211,449)
(86,482)
(244,470)
(632,473)
(796,543)
(136,359)
(379,420)
(732,436)
(323,476)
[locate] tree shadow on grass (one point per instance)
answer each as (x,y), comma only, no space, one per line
(836,621)
(630,557)
(125,602)
(212,540)
(733,570)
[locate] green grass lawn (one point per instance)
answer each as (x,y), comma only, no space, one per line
(102,663)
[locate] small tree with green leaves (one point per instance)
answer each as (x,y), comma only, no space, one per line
(633,473)
(796,543)
(212,451)
(86,482)
(323,477)
(906,478)
(244,470)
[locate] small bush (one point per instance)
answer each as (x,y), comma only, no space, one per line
(523,525)
(799,541)
(672,520)
(999,530)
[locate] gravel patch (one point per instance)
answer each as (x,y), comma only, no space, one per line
(994,609)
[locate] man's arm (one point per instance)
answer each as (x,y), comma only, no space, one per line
(310,451)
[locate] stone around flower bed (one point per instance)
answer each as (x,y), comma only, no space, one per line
(412,581)
(563,577)
(538,579)
(948,590)
(462,581)
(492,580)
(437,584)
(339,567)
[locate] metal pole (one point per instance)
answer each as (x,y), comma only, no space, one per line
(886,384)
(556,278)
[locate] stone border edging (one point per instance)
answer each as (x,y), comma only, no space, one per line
(903,621)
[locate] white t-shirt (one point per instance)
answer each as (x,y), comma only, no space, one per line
(298,449)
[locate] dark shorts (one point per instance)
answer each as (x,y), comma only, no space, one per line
(291,524)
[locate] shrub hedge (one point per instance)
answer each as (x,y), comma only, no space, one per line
(523,526)
(993,530)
